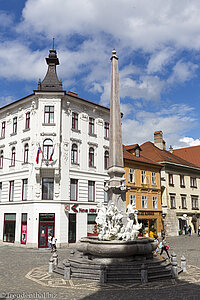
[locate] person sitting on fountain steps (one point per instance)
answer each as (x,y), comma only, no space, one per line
(164,246)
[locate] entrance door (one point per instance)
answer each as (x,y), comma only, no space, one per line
(45,230)
(72,228)
(46,227)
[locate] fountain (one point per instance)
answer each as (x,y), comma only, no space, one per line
(118,254)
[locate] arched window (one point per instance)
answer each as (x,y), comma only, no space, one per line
(13,156)
(26,149)
(91,157)
(106,159)
(74,154)
(47,148)
(1,159)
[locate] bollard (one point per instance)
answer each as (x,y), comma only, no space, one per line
(173,257)
(183,263)
(174,270)
(103,272)
(51,264)
(55,259)
(144,273)
(67,271)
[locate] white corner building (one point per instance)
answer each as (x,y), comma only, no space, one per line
(53,160)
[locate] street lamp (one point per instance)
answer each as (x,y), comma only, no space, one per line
(163,218)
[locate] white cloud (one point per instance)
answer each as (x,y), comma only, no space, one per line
(6,20)
(143,124)
(4,100)
(19,62)
(189,141)
(182,72)
(131,22)
(159,59)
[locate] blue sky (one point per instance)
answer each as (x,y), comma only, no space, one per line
(157,42)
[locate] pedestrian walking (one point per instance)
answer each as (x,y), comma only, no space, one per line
(53,244)
(164,246)
(157,243)
(185,229)
(49,241)
(189,229)
(199,231)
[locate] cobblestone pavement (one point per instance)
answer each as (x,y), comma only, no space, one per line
(23,275)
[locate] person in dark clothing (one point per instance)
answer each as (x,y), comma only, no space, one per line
(164,246)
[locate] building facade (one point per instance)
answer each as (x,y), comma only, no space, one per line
(180,183)
(54,149)
(142,177)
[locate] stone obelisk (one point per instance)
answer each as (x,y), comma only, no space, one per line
(116,184)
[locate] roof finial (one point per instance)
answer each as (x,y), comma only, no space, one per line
(53,43)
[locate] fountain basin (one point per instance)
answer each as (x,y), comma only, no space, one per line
(116,248)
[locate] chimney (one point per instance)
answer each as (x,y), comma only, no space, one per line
(171,149)
(158,140)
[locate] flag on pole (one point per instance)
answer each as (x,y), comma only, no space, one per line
(51,156)
(38,154)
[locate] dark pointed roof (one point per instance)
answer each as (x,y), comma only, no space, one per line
(51,82)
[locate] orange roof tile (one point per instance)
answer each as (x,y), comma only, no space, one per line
(154,153)
(191,154)
(141,158)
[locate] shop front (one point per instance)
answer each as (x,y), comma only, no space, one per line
(81,222)
(24,229)
(151,222)
(46,227)
(9,228)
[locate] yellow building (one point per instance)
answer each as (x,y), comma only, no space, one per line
(142,177)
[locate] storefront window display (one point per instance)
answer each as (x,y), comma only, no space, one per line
(91,225)
(148,225)
(9,228)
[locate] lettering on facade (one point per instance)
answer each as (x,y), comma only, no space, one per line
(145,213)
(85,210)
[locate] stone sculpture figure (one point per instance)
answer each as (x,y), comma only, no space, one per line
(110,225)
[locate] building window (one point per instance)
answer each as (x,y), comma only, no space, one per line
(182,181)
(47,188)
(11,190)
(27,122)
(153,178)
(24,228)
(26,150)
(195,202)
(91,157)
(15,125)
(106,160)
(143,177)
(171,182)
(9,228)
(47,148)
(172,201)
(105,193)
(193,182)
(0,190)
(155,202)
(13,154)
(24,189)
(73,189)
(1,159)
(49,114)
(133,200)
(131,175)
(74,154)
(91,225)
(91,191)
(3,129)
(74,121)
(137,152)
(91,125)
(106,130)
(144,201)
(183,201)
